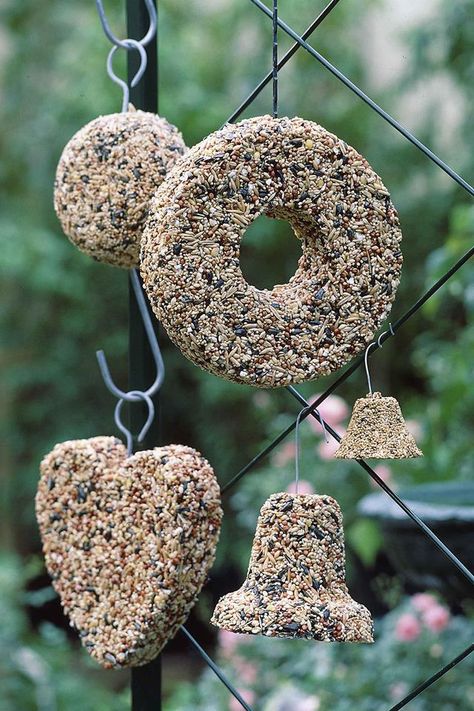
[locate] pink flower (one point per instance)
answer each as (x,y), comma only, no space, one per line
(246,670)
(228,642)
(414,428)
(423,601)
(385,473)
(436,618)
(333,410)
(289,698)
(398,690)
(307,703)
(407,628)
(247,695)
(436,651)
(327,450)
(285,454)
(304,487)
(261,400)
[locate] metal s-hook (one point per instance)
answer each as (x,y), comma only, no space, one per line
(155,349)
(136,395)
(118,421)
(141,70)
(123,43)
(128,44)
(377,344)
(390,331)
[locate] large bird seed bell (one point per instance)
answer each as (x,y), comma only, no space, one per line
(295,585)
(377,430)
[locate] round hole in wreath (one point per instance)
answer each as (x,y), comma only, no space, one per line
(269,252)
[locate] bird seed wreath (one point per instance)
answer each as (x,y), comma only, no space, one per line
(347,276)
(105,179)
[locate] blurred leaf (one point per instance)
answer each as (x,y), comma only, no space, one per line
(364,536)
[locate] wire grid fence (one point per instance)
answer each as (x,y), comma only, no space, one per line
(312,410)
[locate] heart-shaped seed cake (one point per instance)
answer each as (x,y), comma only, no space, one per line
(128,541)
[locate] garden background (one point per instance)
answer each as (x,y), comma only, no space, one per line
(58,307)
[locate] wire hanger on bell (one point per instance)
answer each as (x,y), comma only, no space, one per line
(303,413)
(377,343)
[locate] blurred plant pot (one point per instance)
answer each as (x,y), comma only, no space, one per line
(448,509)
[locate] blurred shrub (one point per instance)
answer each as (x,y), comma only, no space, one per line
(412,643)
(42,671)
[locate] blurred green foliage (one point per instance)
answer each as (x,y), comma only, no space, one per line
(41,670)
(296,675)
(58,306)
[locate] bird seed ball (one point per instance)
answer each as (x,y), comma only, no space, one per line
(106,176)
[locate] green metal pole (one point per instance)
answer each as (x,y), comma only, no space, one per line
(146,680)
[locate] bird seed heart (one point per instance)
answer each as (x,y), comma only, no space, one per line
(128,541)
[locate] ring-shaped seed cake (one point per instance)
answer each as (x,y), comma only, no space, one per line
(105,179)
(345,282)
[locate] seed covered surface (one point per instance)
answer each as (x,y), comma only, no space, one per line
(295,585)
(346,278)
(105,179)
(128,542)
(377,430)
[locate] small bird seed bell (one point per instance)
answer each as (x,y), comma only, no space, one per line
(295,585)
(377,430)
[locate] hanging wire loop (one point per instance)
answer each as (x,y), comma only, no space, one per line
(139,395)
(155,349)
(378,343)
(128,44)
(136,395)
(366,364)
(146,39)
(131,44)
(297,448)
(386,334)
(302,415)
